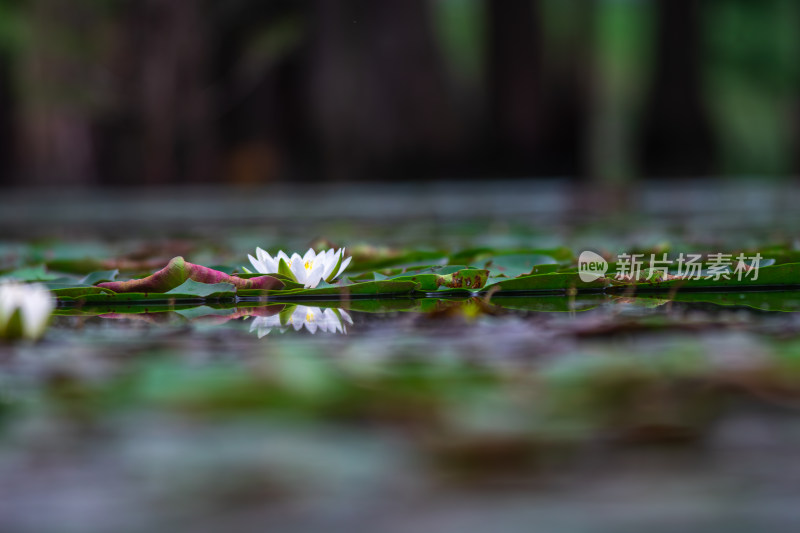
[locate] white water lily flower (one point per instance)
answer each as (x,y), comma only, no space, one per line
(32,303)
(309,269)
(311,318)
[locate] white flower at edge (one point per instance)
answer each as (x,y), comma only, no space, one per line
(34,303)
(312,318)
(309,270)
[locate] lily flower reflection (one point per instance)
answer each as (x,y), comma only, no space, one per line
(311,318)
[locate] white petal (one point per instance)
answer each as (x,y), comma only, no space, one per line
(344,265)
(310,255)
(330,264)
(256,264)
(9,297)
(262,255)
(35,305)
(297,268)
(300,274)
(314,277)
(346,316)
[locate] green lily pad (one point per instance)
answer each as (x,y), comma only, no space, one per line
(515,265)
(34,273)
(100,276)
(77,292)
(446,278)
(205,290)
(409,259)
(483,255)
(367,288)
(554,281)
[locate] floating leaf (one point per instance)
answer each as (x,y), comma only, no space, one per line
(206,290)
(361,263)
(483,255)
(34,273)
(131,298)
(515,265)
(178,271)
(77,292)
(63,283)
(555,281)
(99,276)
(446,278)
(356,289)
(84,265)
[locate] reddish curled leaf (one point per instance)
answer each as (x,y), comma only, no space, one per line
(178,271)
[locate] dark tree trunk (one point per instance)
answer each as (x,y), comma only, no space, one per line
(263,115)
(376,84)
(677,134)
(160,129)
(513,84)
(7,120)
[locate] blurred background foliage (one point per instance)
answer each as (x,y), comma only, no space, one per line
(130,92)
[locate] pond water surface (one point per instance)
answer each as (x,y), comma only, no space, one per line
(593,412)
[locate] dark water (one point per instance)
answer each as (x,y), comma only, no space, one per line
(588,413)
